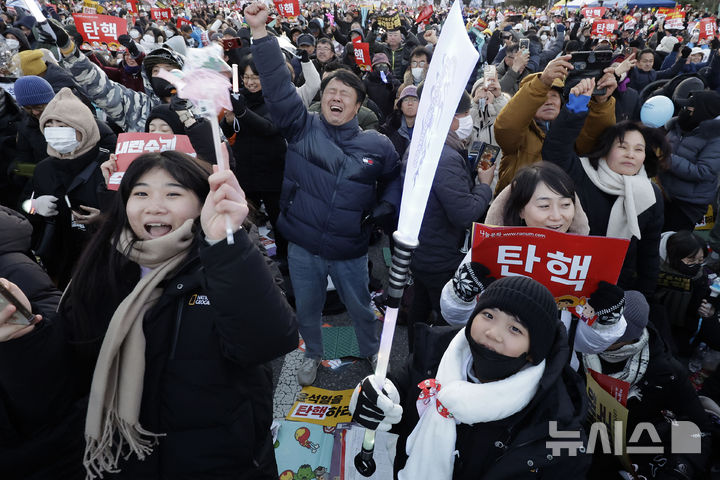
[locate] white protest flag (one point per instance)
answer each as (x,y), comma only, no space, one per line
(453,61)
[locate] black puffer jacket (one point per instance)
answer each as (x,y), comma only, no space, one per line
(17,265)
(217,323)
(513,448)
(455,202)
(259,147)
(642,260)
(10,185)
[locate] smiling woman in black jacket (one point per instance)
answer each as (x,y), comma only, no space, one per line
(168,327)
(614,185)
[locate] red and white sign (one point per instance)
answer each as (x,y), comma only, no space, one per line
(707,27)
(132,145)
(675,20)
(604,27)
(362,56)
(629,22)
(617,388)
(567,264)
(425,14)
(160,13)
(288,8)
(182,21)
(97,30)
(594,12)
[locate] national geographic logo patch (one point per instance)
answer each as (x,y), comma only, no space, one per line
(199,300)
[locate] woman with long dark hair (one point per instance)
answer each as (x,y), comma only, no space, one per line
(167,326)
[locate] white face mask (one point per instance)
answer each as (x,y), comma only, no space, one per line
(148,40)
(543,37)
(61,139)
(12,44)
(465,128)
(134,34)
(417,73)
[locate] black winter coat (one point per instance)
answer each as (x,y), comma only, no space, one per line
(642,261)
(10,185)
(393,130)
(18,266)
(259,147)
(515,447)
(383,94)
(665,394)
(208,337)
(455,202)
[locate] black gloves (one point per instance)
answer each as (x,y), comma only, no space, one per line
(304,56)
(45,37)
(382,213)
(238,103)
(470,280)
(127,42)
(178,104)
(685,52)
(676,47)
(63,40)
(374,410)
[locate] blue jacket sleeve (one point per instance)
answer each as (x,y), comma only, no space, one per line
(286,107)
(669,60)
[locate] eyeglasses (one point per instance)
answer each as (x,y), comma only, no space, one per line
(250,78)
(34,108)
(418,64)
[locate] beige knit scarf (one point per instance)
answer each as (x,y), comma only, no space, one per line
(112,421)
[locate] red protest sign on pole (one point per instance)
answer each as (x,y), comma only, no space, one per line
(594,12)
(362,56)
(132,145)
(288,8)
(99,31)
(181,21)
(570,266)
(425,14)
(707,27)
(603,27)
(675,20)
(160,13)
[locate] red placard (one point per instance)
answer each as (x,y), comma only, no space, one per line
(604,28)
(132,6)
(629,22)
(707,27)
(614,386)
(362,56)
(132,145)
(160,13)
(425,14)
(594,12)
(97,30)
(568,265)
(675,20)
(665,10)
(288,8)
(182,21)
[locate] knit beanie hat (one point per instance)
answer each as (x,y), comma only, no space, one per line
(28,21)
(31,62)
(608,302)
(70,110)
(666,44)
(380,58)
(532,303)
(163,112)
(162,55)
(32,90)
(636,314)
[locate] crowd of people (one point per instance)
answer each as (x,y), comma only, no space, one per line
(157,309)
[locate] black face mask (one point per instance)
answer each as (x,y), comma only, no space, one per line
(686,120)
(490,366)
(162,87)
(689,270)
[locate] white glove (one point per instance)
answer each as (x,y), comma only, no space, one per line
(45,205)
(373,410)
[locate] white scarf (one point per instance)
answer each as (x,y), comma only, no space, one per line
(636,357)
(635,194)
(431,445)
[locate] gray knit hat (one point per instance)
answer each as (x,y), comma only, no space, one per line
(636,314)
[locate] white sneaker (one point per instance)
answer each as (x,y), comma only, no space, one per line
(307,371)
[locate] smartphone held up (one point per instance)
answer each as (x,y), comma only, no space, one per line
(22,315)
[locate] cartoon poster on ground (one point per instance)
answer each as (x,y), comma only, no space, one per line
(303,451)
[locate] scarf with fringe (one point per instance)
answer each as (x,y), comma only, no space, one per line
(112,426)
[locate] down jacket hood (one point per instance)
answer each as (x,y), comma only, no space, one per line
(16,231)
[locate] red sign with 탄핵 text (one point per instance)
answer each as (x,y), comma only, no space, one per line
(160,13)
(362,55)
(707,27)
(97,30)
(288,8)
(593,12)
(603,27)
(132,145)
(568,265)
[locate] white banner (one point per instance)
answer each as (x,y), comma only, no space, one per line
(453,61)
